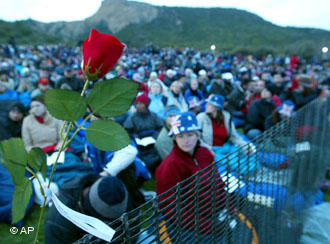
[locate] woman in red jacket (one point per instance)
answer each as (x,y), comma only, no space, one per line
(196,207)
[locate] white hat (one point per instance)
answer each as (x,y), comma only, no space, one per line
(227,76)
(202,72)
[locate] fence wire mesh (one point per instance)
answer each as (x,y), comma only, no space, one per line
(256,197)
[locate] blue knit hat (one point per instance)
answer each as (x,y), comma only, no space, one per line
(216,100)
(184,122)
(107,198)
(171,109)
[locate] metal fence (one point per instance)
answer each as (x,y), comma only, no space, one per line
(261,197)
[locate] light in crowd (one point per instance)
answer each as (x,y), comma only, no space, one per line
(212,47)
(325,49)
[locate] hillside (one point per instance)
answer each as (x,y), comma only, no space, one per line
(137,24)
(24,34)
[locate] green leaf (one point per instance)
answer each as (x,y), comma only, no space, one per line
(36,158)
(107,135)
(21,198)
(112,98)
(65,105)
(14,158)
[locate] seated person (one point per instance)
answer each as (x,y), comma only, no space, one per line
(43,86)
(217,125)
(164,142)
(258,111)
(194,91)
(40,129)
(236,102)
(125,165)
(305,92)
(222,84)
(11,122)
(158,101)
(142,124)
(105,198)
(282,112)
(194,104)
(176,97)
(6,92)
(187,158)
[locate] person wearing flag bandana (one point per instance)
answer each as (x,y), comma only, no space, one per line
(187,158)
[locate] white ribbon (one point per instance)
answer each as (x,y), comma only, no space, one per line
(89,224)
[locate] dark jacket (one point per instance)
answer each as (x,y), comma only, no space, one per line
(197,93)
(140,125)
(300,100)
(9,128)
(223,89)
(5,106)
(259,110)
(75,84)
(57,228)
(236,99)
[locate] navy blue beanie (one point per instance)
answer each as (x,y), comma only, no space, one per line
(107,197)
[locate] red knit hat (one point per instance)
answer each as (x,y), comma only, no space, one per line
(43,80)
(143,98)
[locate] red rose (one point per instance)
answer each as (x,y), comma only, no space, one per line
(100,54)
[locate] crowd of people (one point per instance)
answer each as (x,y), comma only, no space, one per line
(191,102)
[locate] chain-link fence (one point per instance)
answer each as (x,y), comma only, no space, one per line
(246,197)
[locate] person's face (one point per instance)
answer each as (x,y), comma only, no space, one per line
(15,115)
(141,107)
(266,94)
(252,86)
(153,77)
(3,88)
(155,88)
(43,87)
(277,79)
(68,73)
(176,89)
(38,109)
(218,80)
(260,85)
(264,76)
(194,84)
(170,118)
(210,108)
(187,141)
(201,78)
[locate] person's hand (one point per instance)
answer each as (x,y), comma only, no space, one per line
(38,197)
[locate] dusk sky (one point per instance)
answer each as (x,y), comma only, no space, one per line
(296,13)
